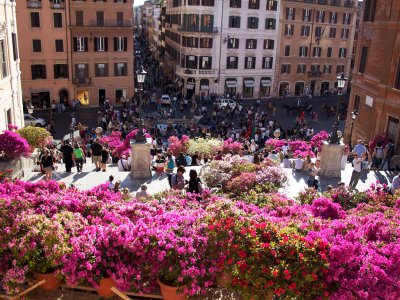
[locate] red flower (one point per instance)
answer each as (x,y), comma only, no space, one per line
(292,286)
(287,274)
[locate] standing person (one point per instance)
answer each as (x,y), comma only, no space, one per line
(355,176)
(47,163)
(67,152)
(377,156)
(79,157)
(95,149)
(312,173)
(387,156)
(359,148)
(104,158)
(345,155)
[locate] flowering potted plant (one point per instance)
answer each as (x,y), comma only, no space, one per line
(176,145)
(266,259)
(12,146)
(37,137)
(184,268)
(36,245)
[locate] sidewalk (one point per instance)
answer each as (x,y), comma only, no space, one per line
(159,182)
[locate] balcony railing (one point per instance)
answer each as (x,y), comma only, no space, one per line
(82,81)
(106,23)
(57,5)
(34,4)
(185,71)
(312,74)
(203,29)
(345,3)
(348,3)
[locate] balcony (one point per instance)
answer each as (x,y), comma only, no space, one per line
(348,3)
(314,74)
(82,80)
(60,5)
(105,23)
(180,71)
(34,4)
(194,29)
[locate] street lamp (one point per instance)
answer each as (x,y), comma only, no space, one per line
(353,118)
(333,137)
(141,76)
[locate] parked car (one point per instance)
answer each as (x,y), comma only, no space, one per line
(165,99)
(32,121)
(226,102)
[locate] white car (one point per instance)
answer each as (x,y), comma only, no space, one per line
(32,121)
(226,103)
(165,99)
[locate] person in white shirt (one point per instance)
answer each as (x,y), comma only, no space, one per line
(285,149)
(287,163)
(123,164)
(274,157)
(355,176)
(298,163)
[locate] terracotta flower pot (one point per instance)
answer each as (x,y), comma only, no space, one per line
(52,282)
(268,296)
(170,292)
(104,289)
(224,279)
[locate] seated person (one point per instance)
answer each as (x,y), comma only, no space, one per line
(287,162)
(159,163)
(298,163)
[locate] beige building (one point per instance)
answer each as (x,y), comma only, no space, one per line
(11,110)
(76,49)
(316,40)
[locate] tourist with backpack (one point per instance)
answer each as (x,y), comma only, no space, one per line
(387,156)
(177,181)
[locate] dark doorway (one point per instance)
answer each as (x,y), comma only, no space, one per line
(312,87)
(63,95)
(102,96)
(284,89)
(324,88)
(40,99)
(299,89)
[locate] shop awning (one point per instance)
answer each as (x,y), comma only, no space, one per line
(249,83)
(230,83)
(265,82)
(204,87)
(190,86)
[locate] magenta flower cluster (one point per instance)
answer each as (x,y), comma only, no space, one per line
(118,146)
(97,234)
(12,146)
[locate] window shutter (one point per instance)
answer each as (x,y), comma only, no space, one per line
(288,69)
(115,43)
(95,43)
(253,65)
(75,44)
(106,44)
(33,71)
(125,69)
(14,43)
(55,71)
(86,70)
(106,70)
(125,43)
(44,72)
(96,70)
(294,14)
(86,44)
(245,62)
(115,69)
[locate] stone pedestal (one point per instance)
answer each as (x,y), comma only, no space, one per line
(141,161)
(331,157)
